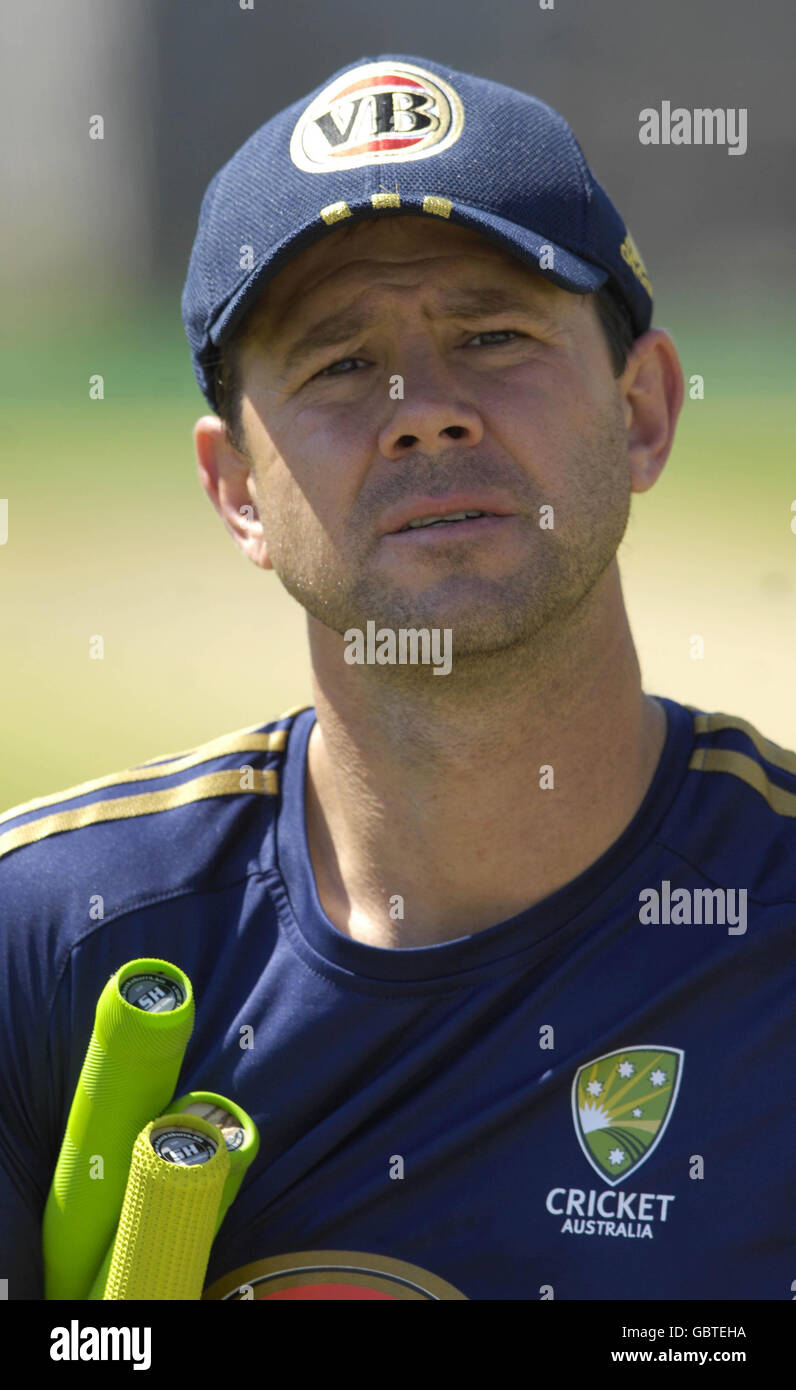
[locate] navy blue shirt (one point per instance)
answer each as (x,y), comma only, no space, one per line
(591,1100)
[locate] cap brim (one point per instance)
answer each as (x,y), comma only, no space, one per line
(554,262)
(548,258)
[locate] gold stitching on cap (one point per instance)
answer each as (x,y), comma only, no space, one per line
(386,200)
(335,212)
(631,254)
(440,207)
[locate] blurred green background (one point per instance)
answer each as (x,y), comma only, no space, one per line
(109,531)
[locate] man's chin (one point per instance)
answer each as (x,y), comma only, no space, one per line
(468,604)
(484,617)
(473,634)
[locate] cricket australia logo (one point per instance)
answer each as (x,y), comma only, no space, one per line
(621,1105)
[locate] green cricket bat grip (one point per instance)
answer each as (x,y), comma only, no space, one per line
(141,1029)
(178,1169)
(241,1138)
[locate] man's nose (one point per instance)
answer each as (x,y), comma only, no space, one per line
(432,418)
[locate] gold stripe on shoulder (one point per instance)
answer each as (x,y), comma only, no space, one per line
(714,723)
(227,783)
(750,772)
(242,741)
(237,742)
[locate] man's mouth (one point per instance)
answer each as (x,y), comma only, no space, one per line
(447,520)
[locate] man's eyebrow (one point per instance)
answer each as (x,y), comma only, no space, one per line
(470,303)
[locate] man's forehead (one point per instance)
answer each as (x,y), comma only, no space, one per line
(352,253)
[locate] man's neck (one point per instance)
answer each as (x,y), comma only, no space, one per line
(431,819)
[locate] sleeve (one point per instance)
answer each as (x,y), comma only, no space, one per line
(34,1032)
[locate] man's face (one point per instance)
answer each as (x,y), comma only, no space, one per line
(422,394)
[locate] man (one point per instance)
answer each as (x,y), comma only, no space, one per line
(486,928)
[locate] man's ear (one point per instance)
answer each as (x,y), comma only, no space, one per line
(227,478)
(652,389)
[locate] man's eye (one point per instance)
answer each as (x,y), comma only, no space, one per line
(330,370)
(339,368)
(499,333)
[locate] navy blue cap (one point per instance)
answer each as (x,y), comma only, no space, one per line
(398,135)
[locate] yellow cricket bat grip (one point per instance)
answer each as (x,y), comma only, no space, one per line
(169,1213)
(238,1130)
(143,1021)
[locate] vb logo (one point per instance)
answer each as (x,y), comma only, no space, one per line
(376,113)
